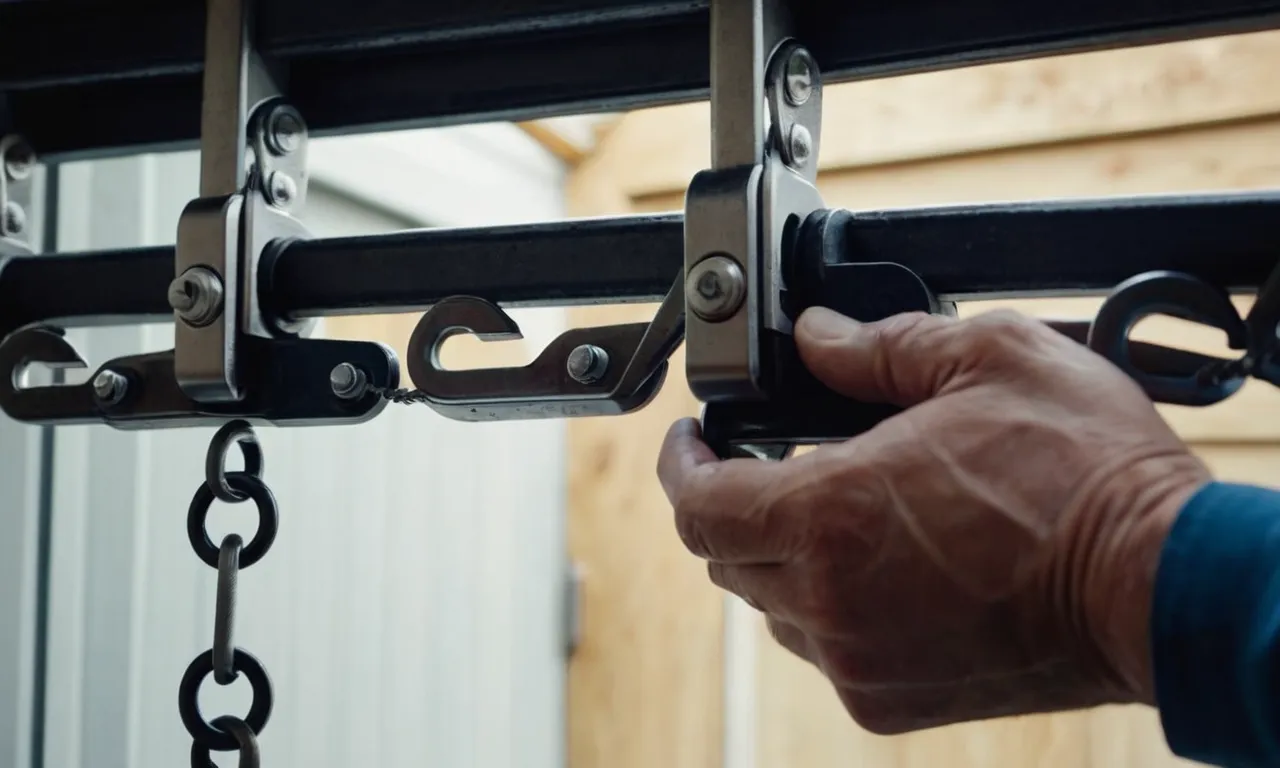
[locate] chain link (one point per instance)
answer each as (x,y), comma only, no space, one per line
(224,660)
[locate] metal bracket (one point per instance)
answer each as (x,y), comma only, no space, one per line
(602,371)
(287,385)
(17,175)
(766,102)
(253,170)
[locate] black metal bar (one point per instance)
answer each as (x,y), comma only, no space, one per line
(123,75)
(964,252)
(1074,247)
(587,261)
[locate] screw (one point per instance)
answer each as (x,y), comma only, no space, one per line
(588,364)
(110,387)
(799,77)
(801,145)
(281,189)
(14,220)
(347,381)
(19,161)
(285,131)
(196,295)
(715,288)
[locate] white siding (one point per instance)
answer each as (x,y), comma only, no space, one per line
(410,611)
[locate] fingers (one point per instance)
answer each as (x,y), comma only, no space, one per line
(902,361)
(729,511)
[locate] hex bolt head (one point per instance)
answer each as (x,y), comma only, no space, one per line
(799,77)
(588,364)
(285,131)
(348,382)
(801,145)
(196,296)
(281,189)
(109,387)
(19,161)
(715,288)
(14,221)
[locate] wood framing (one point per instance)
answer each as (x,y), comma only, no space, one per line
(967,111)
(1197,116)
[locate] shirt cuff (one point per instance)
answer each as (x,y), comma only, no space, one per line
(1215,626)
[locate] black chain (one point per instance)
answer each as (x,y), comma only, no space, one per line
(224,660)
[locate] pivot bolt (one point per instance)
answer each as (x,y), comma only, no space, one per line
(588,364)
(196,296)
(715,288)
(281,189)
(109,387)
(348,382)
(285,131)
(801,145)
(799,77)
(14,221)
(19,161)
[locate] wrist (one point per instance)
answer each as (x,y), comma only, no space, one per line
(1120,594)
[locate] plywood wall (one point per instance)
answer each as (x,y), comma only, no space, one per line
(649,688)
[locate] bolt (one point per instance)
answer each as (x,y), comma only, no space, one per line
(588,364)
(196,295)
(281,189)
(347,381)
(110,387)
(285,131)
(801,145)
(19,161)
(799,77)
(14,220)
(715,288)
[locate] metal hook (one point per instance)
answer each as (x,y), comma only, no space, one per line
(1185,297)
(602,371)
(49,403)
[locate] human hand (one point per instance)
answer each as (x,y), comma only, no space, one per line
(990,551)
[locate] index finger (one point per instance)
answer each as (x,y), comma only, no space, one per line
(739,511)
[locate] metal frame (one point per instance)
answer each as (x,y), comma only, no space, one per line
(248,282)
(1081,247)
(124,76)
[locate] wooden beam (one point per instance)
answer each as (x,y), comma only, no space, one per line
(554,142)
(999,106)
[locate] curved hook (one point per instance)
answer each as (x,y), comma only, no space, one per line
(48,347)
(544,388)
(1187,298)
(454,317)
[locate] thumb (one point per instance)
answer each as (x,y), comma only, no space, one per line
(903,360)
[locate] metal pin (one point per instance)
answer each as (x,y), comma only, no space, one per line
(588,364)
(196,296)
(110,387)
(347,381)
(715,288)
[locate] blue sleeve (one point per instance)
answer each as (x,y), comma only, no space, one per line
(1215,628)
